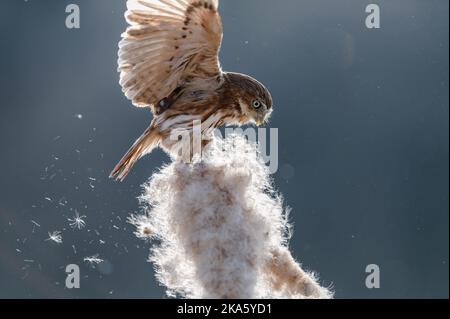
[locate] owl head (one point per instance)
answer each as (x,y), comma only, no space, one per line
(254,98)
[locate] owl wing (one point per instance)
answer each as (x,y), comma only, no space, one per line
(168,43)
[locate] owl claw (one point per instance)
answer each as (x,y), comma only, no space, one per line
(163,105)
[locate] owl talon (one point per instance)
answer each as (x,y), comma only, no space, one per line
(163,105)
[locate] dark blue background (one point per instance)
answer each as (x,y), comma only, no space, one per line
(363,124)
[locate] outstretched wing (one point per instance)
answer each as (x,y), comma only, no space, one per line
(168,43)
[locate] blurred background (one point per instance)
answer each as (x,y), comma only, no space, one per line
(363,143)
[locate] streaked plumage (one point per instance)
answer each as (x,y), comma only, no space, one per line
(168,61)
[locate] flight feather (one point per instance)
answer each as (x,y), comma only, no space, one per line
(168,43)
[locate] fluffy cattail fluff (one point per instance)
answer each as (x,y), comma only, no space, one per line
(220,230)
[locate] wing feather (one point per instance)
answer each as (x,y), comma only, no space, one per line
(168,43)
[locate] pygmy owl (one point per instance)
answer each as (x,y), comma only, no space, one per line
(168,61)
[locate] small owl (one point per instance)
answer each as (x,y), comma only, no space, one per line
(169,62)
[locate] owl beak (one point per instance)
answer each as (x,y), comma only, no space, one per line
(260,120)
(263,119)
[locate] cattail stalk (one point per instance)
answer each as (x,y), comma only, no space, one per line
(219,230)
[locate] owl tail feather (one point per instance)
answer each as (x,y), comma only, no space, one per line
(143,145)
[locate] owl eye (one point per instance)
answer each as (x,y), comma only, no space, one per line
(256,104)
